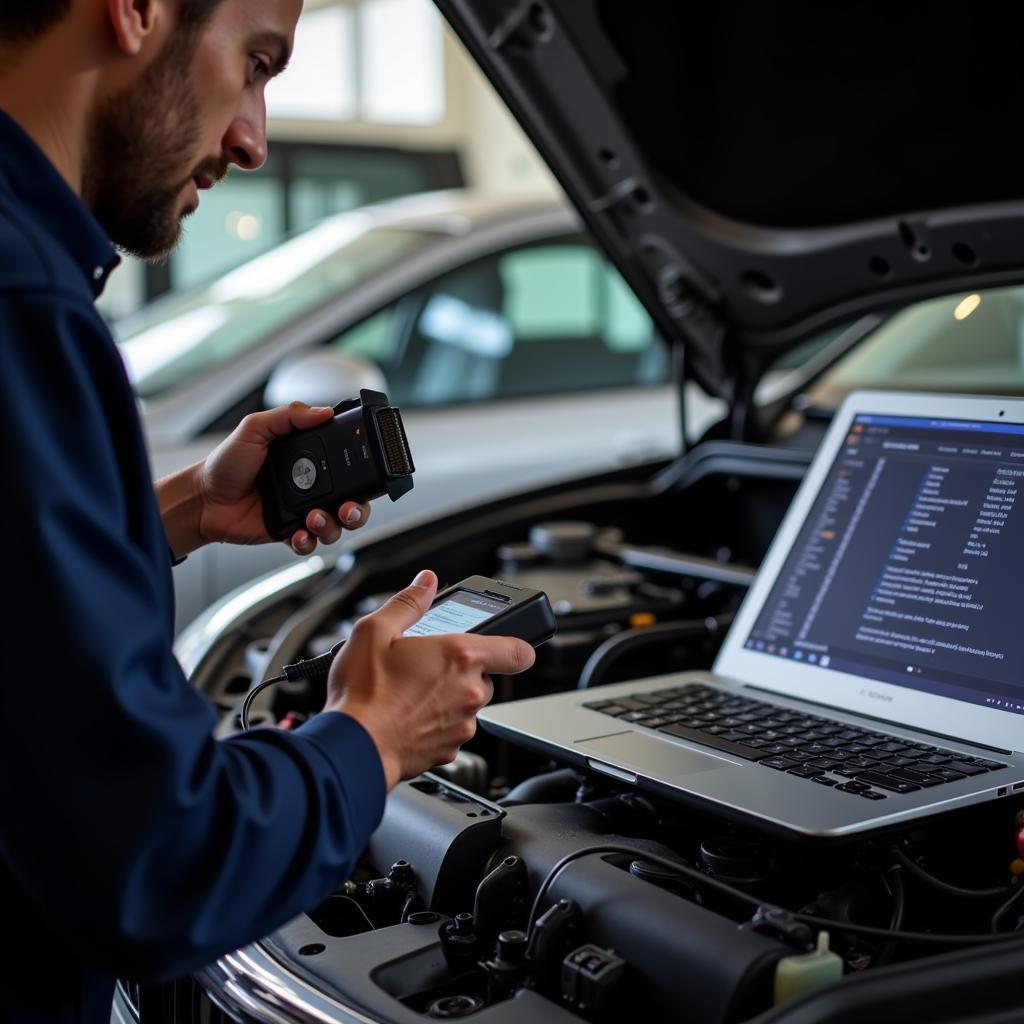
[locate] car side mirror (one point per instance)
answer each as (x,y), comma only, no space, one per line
(321,378)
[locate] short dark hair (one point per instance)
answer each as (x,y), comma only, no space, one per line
(24,20)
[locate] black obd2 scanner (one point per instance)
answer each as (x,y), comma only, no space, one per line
(359,455)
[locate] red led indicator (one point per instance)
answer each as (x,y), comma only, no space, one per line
(359,430)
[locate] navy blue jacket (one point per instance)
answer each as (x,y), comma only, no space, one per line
(131,842)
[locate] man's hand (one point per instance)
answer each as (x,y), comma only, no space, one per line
(418,696)
(217,499)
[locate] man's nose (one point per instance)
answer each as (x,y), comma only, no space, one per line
(245,142)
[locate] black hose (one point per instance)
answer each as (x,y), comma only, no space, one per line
(615,647)
(893,878)
(1007,907)
(947,887)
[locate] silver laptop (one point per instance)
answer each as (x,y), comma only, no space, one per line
(875,672)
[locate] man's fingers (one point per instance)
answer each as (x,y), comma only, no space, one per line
(324,527)
(302,543)
(353,514)
(494,655)
(265,426)
(302,416)
(327,529)
(506,655)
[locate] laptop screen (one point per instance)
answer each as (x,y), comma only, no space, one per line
(909,568)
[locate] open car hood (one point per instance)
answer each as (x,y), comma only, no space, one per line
(759,172)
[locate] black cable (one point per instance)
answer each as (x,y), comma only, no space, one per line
(1005,909)
(892,878)
(252,695)
(308,668)
(947,887)
(670,880)
(822,923)
(899,897)
(358,906)
(565,861)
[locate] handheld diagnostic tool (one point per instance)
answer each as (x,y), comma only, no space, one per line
(491,607)
(360,454)
(476,605)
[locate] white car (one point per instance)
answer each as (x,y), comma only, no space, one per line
(486,321)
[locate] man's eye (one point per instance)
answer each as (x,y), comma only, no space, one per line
(258,68)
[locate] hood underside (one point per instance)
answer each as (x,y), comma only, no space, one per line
(762,171)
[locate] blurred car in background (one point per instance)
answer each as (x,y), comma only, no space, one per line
(486,321)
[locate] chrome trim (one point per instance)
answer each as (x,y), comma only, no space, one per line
(195,640)
(123,1010)
(252,986)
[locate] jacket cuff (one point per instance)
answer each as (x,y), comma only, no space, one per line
(349,748)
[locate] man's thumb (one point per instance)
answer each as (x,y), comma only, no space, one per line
(408,606)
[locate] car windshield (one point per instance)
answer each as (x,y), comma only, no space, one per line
(192,332)
(970,343)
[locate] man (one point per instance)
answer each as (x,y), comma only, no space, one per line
(131,841)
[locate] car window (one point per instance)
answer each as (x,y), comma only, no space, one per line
(966,343)
(541,319)
(196,331)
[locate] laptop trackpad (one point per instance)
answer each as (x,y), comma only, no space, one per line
(651,756)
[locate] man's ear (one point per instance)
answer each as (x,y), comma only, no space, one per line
(135,22)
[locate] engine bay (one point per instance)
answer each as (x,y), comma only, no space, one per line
(508,886)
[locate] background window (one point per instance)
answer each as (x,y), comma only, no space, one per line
(406,35)
(380,61)
(321,79)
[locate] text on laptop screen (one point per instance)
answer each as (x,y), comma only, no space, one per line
(910,566)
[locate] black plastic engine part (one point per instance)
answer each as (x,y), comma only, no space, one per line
(592,982)
(680,953)
(500,903)
(506,971)
(564,543)
(554,933)
(460,943)
(740,862)
(454,1007)
(447,832)
(393,896)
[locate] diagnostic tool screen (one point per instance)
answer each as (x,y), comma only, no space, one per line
(457,614)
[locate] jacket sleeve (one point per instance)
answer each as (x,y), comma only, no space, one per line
(150,847)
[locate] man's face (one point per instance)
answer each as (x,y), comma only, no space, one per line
(194,111)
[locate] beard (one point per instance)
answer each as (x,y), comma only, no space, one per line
(137,140)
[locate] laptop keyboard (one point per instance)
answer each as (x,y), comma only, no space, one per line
(847,758)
